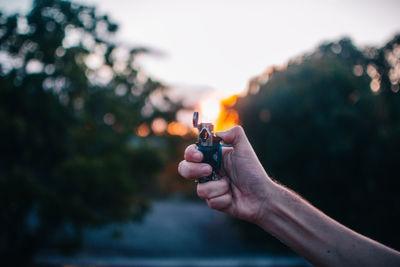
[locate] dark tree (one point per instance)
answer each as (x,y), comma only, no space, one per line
(328,126)
(71,100)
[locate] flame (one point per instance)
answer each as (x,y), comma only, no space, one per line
(228,117)
(210,109)
(230,101)
(219,112)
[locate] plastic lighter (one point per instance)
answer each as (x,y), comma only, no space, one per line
(210,146)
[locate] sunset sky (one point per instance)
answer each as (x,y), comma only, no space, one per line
(220,45)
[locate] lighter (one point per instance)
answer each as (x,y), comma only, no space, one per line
(210,146)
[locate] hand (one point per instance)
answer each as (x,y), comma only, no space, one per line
(245,191)
(244,187)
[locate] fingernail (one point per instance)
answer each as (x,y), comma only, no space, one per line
(206,169)
(197,155)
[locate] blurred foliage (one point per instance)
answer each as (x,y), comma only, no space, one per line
(327,125)
(169,182)
(71,100)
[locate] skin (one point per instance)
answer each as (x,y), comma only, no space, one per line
(247,192)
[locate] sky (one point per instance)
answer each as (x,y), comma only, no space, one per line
(216,46)
(222,44)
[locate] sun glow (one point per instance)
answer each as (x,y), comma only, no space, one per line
(210,109)
(219,112)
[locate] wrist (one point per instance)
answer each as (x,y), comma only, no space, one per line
(266,200)
(269,204)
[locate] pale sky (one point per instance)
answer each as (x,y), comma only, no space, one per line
(222,44)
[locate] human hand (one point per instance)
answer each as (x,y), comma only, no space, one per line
(244,185)
(245,191)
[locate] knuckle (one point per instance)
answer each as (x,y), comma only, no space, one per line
(191,153)
(201,192)
(226,202)
(186,169)
(188,151)
(229,199)
(225,184)
(238,129)
(206,169)
(190,171)
(212,203)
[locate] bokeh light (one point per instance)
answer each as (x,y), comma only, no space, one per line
(143,130)
(177,128)
(158,126)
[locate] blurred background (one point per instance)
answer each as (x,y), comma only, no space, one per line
(96,100)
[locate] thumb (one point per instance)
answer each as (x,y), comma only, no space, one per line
(234,136)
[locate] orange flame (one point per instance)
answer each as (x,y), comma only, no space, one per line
(228,117)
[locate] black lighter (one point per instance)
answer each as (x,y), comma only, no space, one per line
(210,146)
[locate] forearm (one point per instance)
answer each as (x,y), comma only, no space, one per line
(318,238)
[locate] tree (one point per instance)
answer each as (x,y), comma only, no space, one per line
(328,126)
(71,100)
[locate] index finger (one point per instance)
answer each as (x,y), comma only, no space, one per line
(192,154)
